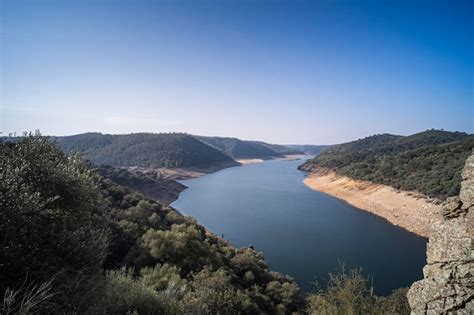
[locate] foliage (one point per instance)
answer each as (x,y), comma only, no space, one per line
(429,162)
(110,250)
(184,246)
(239,149)
(52,219)
(27,299)
(308,148)
(212,292)
(144,150)
(396,303)
(149,183)
(167,248)
(280,149)
(162,276)
(122,293)
(350,293)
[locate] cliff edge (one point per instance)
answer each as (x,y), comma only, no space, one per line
(448,284)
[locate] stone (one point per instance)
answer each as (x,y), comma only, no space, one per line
(468,170)
(467,193)
(448,283)
(452,207)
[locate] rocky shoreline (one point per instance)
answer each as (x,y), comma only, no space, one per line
(409,210)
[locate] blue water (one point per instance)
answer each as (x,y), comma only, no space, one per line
(301,232)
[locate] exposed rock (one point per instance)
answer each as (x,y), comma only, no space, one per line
(448,284)
(452,207)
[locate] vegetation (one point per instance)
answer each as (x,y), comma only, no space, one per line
(149,183)
(74,241)
(280,149)
(350,293)
(145,150)
(308,148)
(240,149)
(429,162)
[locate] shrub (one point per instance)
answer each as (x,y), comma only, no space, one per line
(53,220)
(28,299)
(350,293)
(122,294)
(183,246)
(213,293)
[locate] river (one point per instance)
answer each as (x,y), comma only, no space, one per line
(302,233)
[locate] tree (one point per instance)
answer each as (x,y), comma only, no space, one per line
(52,218)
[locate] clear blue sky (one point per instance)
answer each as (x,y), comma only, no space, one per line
(285,72)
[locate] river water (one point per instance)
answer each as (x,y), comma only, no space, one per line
(302,233)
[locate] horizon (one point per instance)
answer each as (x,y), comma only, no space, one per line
(288,73)
(231,137)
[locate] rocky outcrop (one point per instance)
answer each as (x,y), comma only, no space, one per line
(448,284)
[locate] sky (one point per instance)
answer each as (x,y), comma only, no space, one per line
(316,72)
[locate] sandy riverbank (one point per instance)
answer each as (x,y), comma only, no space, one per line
(249,161)
(409,210)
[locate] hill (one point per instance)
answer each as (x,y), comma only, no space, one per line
(150,184)
(278,148)
(241,149)
(78,242)
(309,149)
(148,150)
(429,162)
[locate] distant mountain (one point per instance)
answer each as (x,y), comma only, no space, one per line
(308,148)
(171,150)
(241,149)
(429,162)
(148,183)
(278,148)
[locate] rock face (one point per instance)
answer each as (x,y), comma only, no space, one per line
(448,284)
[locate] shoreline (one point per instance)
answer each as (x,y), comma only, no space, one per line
(249,161)
(409,210)
(183,173)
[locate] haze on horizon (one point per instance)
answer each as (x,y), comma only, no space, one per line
(318,72)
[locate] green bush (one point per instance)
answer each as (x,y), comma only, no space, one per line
(53,219)
(183,245)
(123,294)
(162,276)
(350,293)
(213,293)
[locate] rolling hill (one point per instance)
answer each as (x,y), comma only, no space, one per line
(150,184)
(170,150)
(429,162)
(242,149)
(309,149)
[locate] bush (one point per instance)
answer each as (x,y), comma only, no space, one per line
(350,293)
(213,293)
(161,277)
(183,245)
(53,220)
(122,294)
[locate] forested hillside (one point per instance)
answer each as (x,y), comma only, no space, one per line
(278,148)
(308,148)
(429,162)
(145,150)
(241,149)
(150,183)
(74,241)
